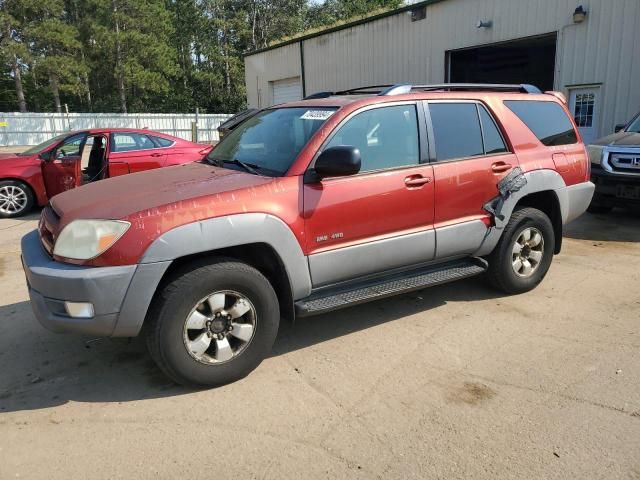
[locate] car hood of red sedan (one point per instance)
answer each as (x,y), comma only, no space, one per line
(120,197)
(11,159)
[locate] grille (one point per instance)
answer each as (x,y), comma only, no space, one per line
(626,162)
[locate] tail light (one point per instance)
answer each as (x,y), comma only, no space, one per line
(205,151)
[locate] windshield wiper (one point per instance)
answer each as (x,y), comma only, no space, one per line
(249,167)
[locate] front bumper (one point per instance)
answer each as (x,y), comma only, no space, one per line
(120,295)
(607,185)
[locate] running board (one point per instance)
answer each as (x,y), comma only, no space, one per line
(333,298)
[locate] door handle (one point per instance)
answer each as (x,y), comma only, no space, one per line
(416,181)
(156,154)
(501,167)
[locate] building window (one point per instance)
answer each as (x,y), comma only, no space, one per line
(583,110)
(419,13)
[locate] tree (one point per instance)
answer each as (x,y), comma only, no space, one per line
(147,55)
(13,49)
(134,40)
(58,46)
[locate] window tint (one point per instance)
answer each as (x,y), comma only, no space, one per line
(163,142)
(71,146)
(493,142)
(456,129)
(547,120)
(127,142)
(386,137)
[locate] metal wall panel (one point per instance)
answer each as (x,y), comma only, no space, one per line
(34,128)
(270,66)
(605,49)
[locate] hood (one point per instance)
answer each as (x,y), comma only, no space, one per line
(123,196)
(620,139)
(11,160)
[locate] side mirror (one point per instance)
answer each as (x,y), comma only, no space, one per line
(619,128)
(338,161)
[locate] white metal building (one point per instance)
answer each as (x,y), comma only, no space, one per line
(594,58)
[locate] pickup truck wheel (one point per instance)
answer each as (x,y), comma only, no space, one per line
(523,255)
(16,198)
(213,323)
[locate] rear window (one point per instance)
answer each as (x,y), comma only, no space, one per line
(163,142)
(547,120)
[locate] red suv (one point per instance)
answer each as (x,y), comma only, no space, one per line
(77,158)
(308,207)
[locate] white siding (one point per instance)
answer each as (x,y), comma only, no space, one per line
(605,49)
(267,67)
(34,128)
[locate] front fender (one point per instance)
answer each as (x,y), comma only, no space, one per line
(234,231)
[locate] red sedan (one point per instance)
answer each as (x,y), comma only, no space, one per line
(77,158)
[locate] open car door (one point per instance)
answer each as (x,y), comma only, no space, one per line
(61,170)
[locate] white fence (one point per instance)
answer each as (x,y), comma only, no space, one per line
(34,128)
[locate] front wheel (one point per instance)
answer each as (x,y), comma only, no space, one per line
(16,198)
(213,323)
(523,255)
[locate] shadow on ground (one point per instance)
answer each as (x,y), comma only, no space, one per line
(619,225)
(42,370)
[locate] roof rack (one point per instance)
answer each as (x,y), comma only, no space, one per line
(400,88)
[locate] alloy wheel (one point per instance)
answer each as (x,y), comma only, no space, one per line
(219,327)
(527,252)
(13,199)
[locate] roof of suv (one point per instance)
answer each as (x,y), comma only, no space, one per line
(380,93)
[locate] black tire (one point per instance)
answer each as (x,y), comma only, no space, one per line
(165,323)
(501,273)
(24,192)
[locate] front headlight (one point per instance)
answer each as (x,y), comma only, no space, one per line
(595,153)
(86,239)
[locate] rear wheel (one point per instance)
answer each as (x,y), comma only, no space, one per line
(16,198)
(213,323)
(524,253)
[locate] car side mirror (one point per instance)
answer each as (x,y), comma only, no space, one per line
(339,161)
(619,128)
(46,156)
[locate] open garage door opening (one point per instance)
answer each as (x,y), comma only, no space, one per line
(529,60)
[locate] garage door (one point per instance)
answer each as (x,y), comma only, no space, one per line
(287,90)
(529,60)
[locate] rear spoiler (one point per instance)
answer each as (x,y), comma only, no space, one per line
(559,95)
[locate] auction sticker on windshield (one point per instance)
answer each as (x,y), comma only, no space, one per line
(317,114)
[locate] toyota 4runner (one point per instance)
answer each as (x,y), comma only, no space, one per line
(308,207)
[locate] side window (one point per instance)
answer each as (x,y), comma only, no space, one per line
(493,142)
(162,142)
(127,142)
(387,137)
(547,120)
(71,147)
(456,129)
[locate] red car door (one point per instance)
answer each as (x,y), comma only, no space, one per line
(471,157)
(132,152)
(61,170)
(381,218)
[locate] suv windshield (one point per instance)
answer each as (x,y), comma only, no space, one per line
(635,125)
(43,145)
(270,141)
